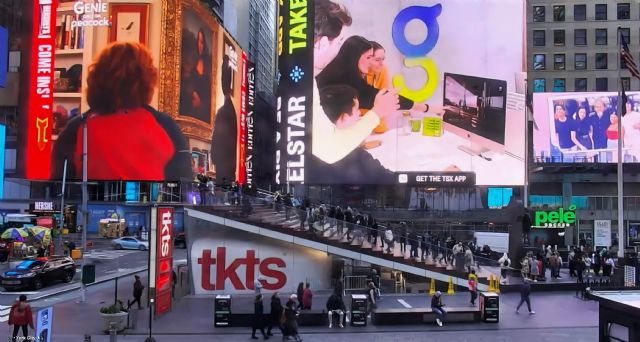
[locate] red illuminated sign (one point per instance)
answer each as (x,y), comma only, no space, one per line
(243,122)
(40,113)
(224,272)
(164,260)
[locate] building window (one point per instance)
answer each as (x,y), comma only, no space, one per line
(579,12)
(601,12)
(602,84)
(558,13)
(601,36)
(558,37)
(580,61)
(559,85)
(558,61)
(539,62)
(624,11)
(538,14)
(539,85)
(626,33)
(601,61)
(581,84)
(580,37)
(538,38)
(626,83)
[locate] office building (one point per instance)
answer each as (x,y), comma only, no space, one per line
(572,46)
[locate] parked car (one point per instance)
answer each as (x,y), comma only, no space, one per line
(129,242)
(180,240)
(34,274)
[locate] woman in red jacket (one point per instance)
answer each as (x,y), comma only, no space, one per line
(20,316)
(126,139)
(307,297)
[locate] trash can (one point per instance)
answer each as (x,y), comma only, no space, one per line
(222,311)
(489,307)
(359,310)
(88,274)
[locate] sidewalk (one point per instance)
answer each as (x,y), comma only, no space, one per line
(193,316)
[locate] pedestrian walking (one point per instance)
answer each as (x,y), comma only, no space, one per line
(290,327)
(307,298)
(137,292)
(371,298)
(21,317)
(413,242)
(403,238)
(437,307)
(473,287)
(424,247)
(525,291)
(388,236)
(468,260)
(276,314)
(535,271)
(258,318)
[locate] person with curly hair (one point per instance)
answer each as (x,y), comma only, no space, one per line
(126,138)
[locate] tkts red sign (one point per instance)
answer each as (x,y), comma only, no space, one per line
(164,260)
(223,272)
(40,112)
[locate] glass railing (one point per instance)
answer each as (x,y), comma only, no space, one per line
(265,211)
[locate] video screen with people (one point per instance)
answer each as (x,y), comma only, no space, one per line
(393,78)
(583,127)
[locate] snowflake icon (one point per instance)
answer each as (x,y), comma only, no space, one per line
(296,74)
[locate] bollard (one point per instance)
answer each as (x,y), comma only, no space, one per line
(497,285)
(491,287)
(432,287)
(113,332)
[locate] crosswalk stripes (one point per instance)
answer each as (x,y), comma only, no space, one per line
(4,313)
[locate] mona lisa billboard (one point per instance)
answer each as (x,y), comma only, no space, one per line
(401,91)
(195,121)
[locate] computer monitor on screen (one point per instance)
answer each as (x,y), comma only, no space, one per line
(474,109)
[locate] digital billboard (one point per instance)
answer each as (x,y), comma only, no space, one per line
(196,119)
(402,91)
(583,127)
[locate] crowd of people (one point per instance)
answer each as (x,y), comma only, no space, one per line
(582,262)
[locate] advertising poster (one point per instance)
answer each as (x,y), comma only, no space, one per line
(201,126)
(602,233)
(453,68)
(250,122)
(44,324)
(224,261)
(583,127)
(160,275)
(229,124)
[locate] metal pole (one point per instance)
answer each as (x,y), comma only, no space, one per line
(115,298)
(526,147)
(64,183)
(620,174)
(85,211)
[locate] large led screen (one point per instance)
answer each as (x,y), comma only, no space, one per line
(403,91)
(196,121)
(583,127)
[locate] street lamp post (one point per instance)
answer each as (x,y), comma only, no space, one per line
(85,211)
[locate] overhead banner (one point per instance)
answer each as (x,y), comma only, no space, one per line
(295,77)
(250,122)
(40,95)
(602,233)
(457,91)
(44,324)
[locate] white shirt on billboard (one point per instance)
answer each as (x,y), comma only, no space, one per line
(631,128)
(331,144)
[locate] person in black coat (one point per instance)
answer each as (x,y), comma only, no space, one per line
(339,221)
(258,318)
(290,327)
(300,292)
(277,310)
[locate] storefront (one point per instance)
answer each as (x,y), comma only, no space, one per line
(135,216)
